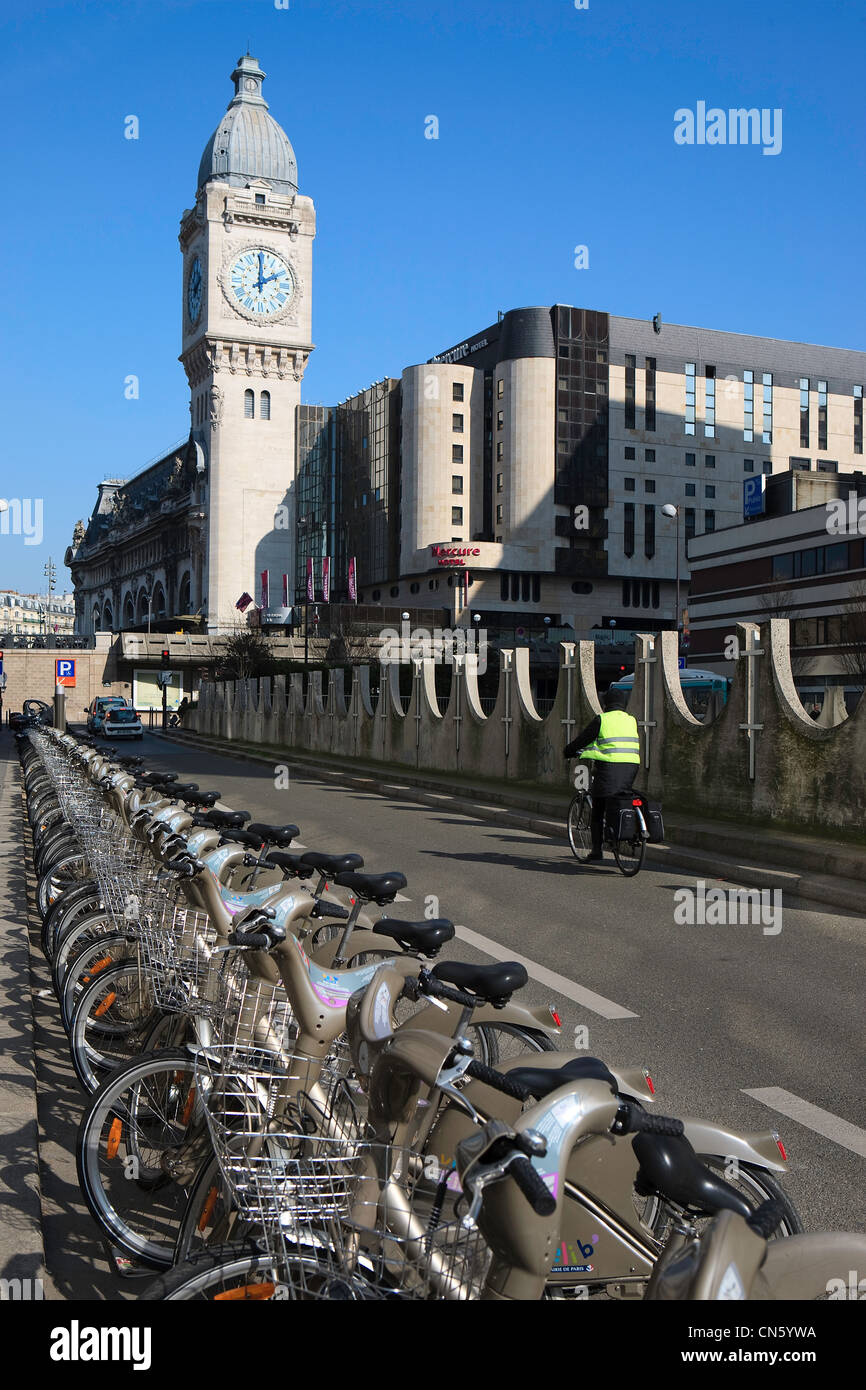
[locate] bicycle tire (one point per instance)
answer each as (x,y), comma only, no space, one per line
(86,959)
(228,1269)
(629,855)
(139,1217)
(578,826)
(69,871)
(757,1185)
(491,1049)
(72,904)
(209,1217)
(101,1042)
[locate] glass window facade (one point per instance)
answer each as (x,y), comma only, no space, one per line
(690,398)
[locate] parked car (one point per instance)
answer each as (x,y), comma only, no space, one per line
(98,708)
(121,722)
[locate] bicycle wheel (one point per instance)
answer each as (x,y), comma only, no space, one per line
(72,904)
(244,1273)
(629,854)
(142,1130)
(579,830)
(88,955)
(69,871)
(109,1022)
(756,1185)
(496,1043)
(209,1218)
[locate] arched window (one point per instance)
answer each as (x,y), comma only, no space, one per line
(183,598)
(128,612)
(107,618)
(265,406)
(249,405)
(158,605)
(96,622)
(142,607)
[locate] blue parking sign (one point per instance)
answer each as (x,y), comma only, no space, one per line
(65,671)
(753,495)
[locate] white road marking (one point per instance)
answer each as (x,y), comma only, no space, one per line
(400,899)
(823,1122)
(596,1003)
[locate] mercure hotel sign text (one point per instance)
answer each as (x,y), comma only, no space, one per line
(452,554)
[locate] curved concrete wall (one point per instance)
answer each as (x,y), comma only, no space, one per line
(785,770)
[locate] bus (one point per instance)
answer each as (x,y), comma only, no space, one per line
(699,688)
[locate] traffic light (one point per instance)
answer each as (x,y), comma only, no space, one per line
(166,658)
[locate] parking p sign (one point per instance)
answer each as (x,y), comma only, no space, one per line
(65,672)
(753,495)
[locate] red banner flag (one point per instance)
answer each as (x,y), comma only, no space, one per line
(326,579)
(311,588)
(244,602)
(285,591)
(353,582)
(266,590)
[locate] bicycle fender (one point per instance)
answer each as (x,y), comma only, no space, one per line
(522,1015)
(811,1266)
(758,1147)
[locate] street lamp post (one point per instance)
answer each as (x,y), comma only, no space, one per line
(670,510)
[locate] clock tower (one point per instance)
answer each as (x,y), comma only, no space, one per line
(247,270)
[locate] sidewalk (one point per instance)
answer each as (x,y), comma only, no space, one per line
(21,1248)
(830,873)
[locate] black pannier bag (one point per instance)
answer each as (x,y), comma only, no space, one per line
(620,814)
(652,814)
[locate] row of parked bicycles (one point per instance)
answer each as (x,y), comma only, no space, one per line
(287,1096)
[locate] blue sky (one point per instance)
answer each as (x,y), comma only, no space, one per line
(555,129)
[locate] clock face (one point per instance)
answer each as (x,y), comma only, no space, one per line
(261,284)
(194,291)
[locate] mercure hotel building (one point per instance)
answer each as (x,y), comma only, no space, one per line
(521,473)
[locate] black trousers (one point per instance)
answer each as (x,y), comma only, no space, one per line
(607,780)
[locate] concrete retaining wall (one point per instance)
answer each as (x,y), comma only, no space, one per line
(800,774)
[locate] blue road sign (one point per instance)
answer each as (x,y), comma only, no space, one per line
(753,495)
(681,663)
(65,671)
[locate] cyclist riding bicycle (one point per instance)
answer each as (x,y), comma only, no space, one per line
(610,742)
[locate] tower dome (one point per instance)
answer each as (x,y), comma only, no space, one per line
(248,143)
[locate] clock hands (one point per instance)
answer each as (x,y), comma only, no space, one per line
(265,279)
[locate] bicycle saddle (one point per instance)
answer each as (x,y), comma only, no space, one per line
(231,820)
(332,864)
(292,864)
(380,888)
(489,982)
(541,1081)
(425,937)
(274,834)
(202,798)
(670,1166)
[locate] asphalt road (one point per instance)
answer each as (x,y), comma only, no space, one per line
(719,1010)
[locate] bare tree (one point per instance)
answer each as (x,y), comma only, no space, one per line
(776,602)
(244,654)
(351,644)
(852,653)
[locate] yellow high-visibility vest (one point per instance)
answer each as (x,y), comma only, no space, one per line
(617,740)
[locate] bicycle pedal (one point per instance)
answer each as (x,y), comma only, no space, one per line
(128,1268)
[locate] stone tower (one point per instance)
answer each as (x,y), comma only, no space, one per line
(247,270)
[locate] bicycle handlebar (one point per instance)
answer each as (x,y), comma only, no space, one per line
(479,1072)
(533,1186)
(632,1120)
